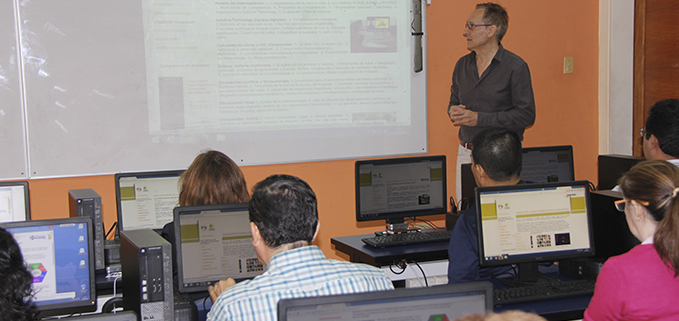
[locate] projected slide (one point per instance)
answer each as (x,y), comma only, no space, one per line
(267,82)
(229,66)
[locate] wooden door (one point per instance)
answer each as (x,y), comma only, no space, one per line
(656,58)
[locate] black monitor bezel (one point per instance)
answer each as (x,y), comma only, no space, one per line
(118,176)
(549,257)
(75,306)
(27,201)
(480,286)
(194,210)
(404,214)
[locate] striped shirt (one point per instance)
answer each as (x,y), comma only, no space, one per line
(297,273)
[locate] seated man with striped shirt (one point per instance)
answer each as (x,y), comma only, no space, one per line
(284,222)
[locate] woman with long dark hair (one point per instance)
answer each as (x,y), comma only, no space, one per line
(15,282)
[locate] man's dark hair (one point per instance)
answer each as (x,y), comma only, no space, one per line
(284,209)
(498,151)
(15,293)
(663,123)
(496,15)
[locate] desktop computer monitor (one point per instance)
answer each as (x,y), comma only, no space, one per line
(530,223)
(146,199)
(14,202)
(59,254)
(397,188)
(538,165)
(441,302)
(547,164)
(612,167)
(214,242)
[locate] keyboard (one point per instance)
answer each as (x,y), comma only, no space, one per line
(407,238)
(543,291)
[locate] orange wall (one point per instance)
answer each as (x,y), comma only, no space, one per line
(541,32)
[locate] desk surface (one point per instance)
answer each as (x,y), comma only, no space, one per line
(359,252)
(558,309)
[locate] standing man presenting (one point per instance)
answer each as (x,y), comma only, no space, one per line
(491,86)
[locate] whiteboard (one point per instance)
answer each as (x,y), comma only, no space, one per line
(115,86)
(13,153)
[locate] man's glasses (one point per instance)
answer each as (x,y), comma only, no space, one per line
(471,26)
(642,132)
(620,204)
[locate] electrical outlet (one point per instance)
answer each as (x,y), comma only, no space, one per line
(567,65)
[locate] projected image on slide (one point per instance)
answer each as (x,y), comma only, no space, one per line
(374,34)
(260,70)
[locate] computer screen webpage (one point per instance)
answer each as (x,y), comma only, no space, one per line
(547,164)
(216,245)
(399,187)
(533,222)
(13,202)
(429,307)
(58,257)
(147,201)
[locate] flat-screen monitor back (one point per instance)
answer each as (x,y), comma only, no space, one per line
(214,242)
(398,188)
(612,235)
(14,202)
(442,302)
(538,165)
(59,254)
(612,167)
(547,164)
(146,199)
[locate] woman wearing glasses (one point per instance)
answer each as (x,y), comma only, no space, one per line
(643,284)
(491,86)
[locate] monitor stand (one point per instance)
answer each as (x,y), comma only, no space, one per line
(527,274)
(399,226)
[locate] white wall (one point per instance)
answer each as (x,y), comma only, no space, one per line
(616,75)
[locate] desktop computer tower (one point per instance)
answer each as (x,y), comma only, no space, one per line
(146,260)
(86,202)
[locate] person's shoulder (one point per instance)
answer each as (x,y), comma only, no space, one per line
(511,57)
(643,254)
(344,266)
(466,59)
(469,215)
(344,269)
